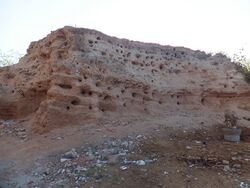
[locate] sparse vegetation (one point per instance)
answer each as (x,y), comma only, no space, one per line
(9,58)
(230,119)
(242,64)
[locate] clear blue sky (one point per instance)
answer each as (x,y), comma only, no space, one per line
(210,25)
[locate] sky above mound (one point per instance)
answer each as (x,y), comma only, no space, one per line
(210,25)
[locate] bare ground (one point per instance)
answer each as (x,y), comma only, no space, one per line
(161,156)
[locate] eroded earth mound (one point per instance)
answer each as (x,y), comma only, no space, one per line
(75,75)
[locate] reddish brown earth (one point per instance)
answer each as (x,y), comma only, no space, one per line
(79,86)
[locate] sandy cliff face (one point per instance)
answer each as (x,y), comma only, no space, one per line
(78,75)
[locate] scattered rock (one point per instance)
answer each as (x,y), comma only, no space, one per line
(237,166)
(7,123)
(63,160)
(236,158)
(197,142)
(140,163)
(225,162)
(123,167)
(79,169)
(234,153)
(244,185)
(227,168)
(188,147)
(165,173)
(139,136)
(72,154)
(89,162)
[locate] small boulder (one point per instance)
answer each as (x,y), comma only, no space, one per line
(140,163)
(237,166)
(225,162)
(226,168)
(72,154)
(123,167)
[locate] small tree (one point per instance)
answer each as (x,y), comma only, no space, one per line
(242,63)
(230,118)
(9,58)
